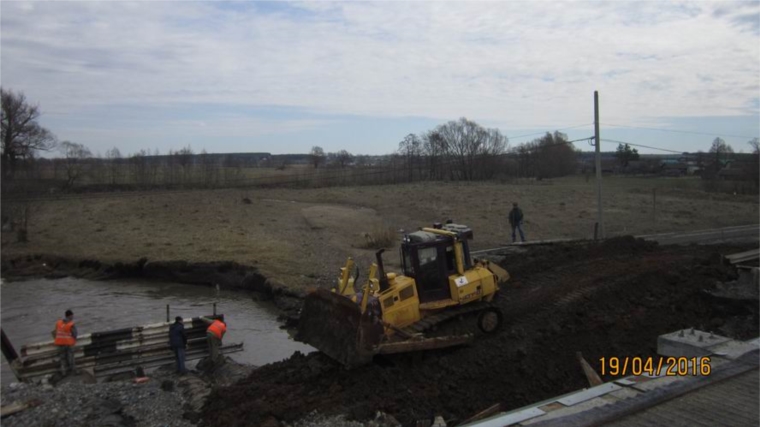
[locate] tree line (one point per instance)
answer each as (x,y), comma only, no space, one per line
(456,150)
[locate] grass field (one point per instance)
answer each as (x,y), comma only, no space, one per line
(301,237)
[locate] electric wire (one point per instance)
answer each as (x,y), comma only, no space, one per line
(677,131)
(641,145)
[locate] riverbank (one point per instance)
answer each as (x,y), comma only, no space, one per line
(227,275)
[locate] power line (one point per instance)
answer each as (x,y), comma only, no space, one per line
(581,139)
(677,131)
(640,145)
(542,133)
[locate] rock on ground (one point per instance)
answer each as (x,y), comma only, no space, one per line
(166,400)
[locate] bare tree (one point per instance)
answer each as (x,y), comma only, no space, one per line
(232,169)
(343,158)
(547,157)
(361,160)
(317,156)
(435,149)
(469,145)
(721,149)
(75,156)
(21,214)
(755,144)
(21,134)
(207,163)
(411,149)
(155,165)
(140,169)
(113,157)
(185,160)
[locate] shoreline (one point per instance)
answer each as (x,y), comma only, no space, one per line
(226,274)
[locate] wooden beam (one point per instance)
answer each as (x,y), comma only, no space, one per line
(491,410)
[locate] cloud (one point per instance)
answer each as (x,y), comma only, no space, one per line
(520,64)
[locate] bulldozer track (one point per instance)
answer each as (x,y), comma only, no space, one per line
(439,318)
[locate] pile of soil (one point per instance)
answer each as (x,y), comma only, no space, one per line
(608,299)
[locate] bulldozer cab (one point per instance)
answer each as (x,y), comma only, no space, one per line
(430,256)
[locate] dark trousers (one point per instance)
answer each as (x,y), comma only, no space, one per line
(179,356)
(213,346)
(517,227)
(67,359)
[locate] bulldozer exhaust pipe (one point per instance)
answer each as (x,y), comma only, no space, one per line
(383,279)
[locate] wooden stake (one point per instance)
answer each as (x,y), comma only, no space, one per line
(591,375)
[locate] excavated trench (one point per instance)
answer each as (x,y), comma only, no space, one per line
(608,299)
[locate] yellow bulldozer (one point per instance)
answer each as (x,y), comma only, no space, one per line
(396,313)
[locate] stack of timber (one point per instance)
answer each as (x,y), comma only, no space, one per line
(112,352)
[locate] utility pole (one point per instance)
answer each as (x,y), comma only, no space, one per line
(600,217)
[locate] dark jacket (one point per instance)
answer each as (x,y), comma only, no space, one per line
(515,216)
(177,336)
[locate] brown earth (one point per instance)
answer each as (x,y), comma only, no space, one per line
(301,237)
(609,299)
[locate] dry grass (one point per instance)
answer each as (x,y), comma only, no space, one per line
(299,236)
(382,236)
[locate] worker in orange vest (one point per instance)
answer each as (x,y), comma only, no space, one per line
(65,334)
(214,334)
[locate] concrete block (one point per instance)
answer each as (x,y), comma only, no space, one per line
(734,349)
(688,343)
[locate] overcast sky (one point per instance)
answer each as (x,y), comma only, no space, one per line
(282,77)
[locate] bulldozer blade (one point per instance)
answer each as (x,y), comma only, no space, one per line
(335,325)
(424,344)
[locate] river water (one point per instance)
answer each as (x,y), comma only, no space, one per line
(31,308)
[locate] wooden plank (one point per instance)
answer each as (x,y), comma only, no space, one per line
(743,256)
(17,407)
(491,410)
(116,349)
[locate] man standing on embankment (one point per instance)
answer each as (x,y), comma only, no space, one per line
(515,220)
(65,334)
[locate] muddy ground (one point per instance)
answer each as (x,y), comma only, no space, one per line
(608,299)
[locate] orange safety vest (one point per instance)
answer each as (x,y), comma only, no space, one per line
(63,333)
(217,328)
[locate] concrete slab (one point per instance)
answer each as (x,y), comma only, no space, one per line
(588,394)
(660,382)
(625,393)
(734,349)
(569,410)
(625,382)
(688,343)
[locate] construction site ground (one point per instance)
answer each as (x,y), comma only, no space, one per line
(602,299)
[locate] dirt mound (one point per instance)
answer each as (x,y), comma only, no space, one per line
(610,299)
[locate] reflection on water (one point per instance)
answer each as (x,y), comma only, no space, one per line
(30,310)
